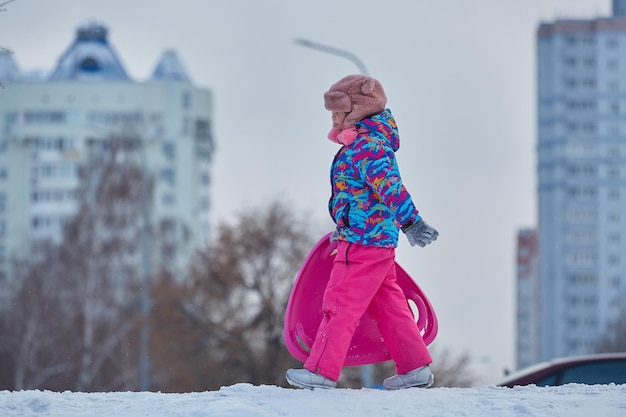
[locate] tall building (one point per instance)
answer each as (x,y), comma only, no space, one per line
(528,300)
(49,125)
(581,147)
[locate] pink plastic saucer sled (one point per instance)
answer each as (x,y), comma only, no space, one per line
(304,311)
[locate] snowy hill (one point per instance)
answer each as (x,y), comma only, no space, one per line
(245,400)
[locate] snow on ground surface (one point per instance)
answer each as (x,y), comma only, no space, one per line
(247,400)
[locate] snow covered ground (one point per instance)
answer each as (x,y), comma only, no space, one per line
(245,400)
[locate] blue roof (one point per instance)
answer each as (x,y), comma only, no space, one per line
(90,57)
(169,68)
(8,68)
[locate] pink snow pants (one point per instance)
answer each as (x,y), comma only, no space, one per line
(363,279)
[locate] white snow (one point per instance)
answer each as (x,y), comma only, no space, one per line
(247,400)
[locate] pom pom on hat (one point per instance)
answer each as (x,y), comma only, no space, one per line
(359,95)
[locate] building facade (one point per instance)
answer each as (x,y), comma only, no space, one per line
(528,300)
(49,125)
(581,148)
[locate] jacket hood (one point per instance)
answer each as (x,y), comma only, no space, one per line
(382,125)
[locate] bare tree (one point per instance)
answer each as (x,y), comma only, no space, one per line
(231,309)
(107,268)
(2,49)
(72,321)
(614,339)
(450,369)
(30,338)
(224,324)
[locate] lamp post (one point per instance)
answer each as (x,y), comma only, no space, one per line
(335,51)
(144,357)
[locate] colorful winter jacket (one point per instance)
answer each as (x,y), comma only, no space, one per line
(369,202)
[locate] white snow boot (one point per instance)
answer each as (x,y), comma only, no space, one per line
(303,378)
(420,377)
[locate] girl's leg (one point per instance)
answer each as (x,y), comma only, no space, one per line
(357,273)
(397,326)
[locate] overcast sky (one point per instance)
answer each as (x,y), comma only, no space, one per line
(459,77)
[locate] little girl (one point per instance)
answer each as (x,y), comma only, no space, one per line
(369,204)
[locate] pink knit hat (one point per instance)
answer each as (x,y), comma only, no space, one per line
(360,95)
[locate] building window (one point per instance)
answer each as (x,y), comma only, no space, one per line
(582,279)
(582,171)
(168,200)
(570,61)
(581,216)
(579,149)
(205,178)
(589,40)
(581,105)
(205,204)
(53,144)
(590,62)
(202,129)
(615,281)
(589,83)
(168,175)
(169,150)
(584,192)
(53,195)
(89,65)
(615,238)
(580,259)
(614,152)
(580,237)
(47,223)
(124,119)
(44,117)
(572,127)
(10,120)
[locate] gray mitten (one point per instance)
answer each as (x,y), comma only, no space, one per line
(420,234)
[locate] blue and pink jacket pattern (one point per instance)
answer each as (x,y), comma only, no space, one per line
(369,202)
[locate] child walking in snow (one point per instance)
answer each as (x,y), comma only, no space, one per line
(369,204)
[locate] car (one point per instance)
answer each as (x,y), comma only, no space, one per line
(602,368)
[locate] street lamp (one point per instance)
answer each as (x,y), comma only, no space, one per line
(334,51)
(144,358)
